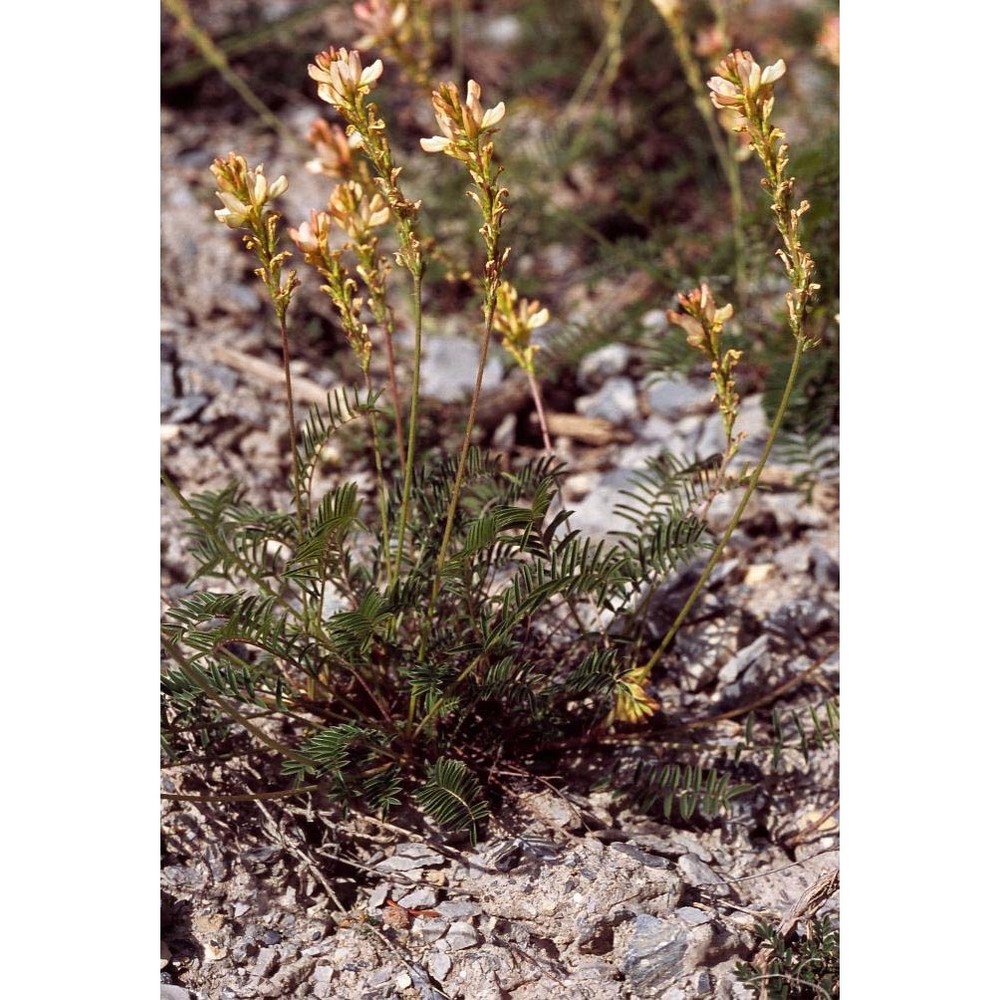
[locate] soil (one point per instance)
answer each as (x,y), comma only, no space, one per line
(573,891)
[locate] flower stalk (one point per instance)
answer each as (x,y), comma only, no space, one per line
(336,157)
(465,131)
(356,215)
(744,88)
(466,128)
(515,320)
(703,323)
(245,195)
(342,82)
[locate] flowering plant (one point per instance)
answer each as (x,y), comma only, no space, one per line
(449,616)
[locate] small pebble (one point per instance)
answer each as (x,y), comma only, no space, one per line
(419,899)
(461,935)
(616,401)
(439,965)
(453,909)
(697,873)
(600,365)
(173,993)
(267,962)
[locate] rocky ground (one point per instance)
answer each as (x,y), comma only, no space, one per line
(574,893)
(269,901)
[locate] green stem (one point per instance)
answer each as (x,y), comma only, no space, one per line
(456,494)
(411,446)
(470,426)
(383,493)
(373,277)
(381,488)
(300,513)
(389,328)
(540,410)
(735,519)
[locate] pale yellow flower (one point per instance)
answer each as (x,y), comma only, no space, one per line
(341,78)
(461,124)
(381,19)
(741,83)
(236,213)
(632,702)
(355,212)
(515,319)
(312,237)
(483,119)
(667,8)
(334,149)
(244,193)
(701,320)
(264,192)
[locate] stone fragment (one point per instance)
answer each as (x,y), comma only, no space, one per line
(439,965)
(598,366)
(449,366)
(169,992)
(801,620)
(400,864)
(414,849)
(692,915)
(453,909)
(824,568)
(682,842)
(649,860)
(674,395)
(748,655)
(697,873)
(461,935)
(596,515)
(758,573)
(430,928)
(791,512)
(654,953)
(616,401)
(596,935)
(794,559)
(267,962)
(553,810)
(186,408)
(378,896)
(421,898)
(704,984)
